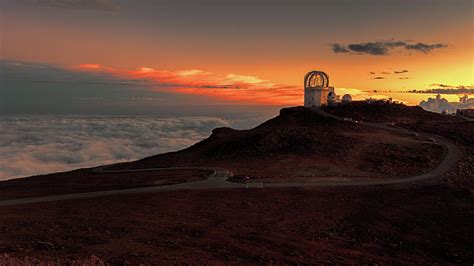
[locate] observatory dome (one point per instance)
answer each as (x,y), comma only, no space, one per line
(347,98)
(316,89)
(332,97)
(316,79)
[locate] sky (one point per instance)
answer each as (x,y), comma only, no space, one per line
(171,56)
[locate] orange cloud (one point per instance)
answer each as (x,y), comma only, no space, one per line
(89,66)
(232,88)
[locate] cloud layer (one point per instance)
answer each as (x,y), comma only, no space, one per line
(384,47)
(446,89)
(100,5)
(439,104)
(230,88)
(33,145)
(33,87)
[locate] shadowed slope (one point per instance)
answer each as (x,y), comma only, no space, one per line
(302,143)
(384,112)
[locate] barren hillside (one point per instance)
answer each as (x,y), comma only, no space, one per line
(300,143)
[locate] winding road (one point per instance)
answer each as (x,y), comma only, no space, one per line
(218,179)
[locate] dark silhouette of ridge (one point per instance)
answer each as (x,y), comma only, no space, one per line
(297,130)
(301,138)
(387,112)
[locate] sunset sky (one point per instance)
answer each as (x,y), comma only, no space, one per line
(247,52)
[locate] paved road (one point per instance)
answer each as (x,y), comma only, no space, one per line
(470,119)
(218,180)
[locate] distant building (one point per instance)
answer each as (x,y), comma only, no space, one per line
(332,98)
(465,112)
(317,91)
(347,98)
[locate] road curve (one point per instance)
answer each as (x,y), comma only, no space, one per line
(218,179)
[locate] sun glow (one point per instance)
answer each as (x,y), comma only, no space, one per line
(235,87)
(89,66)
(146,70)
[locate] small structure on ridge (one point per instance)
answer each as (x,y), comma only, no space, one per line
(347,98)
(317,91)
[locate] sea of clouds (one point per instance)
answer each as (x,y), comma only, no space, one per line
(39,144)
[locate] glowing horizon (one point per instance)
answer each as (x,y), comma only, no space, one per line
(260,60)
(250,89)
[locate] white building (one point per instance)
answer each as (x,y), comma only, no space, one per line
(317,91)
(315,97)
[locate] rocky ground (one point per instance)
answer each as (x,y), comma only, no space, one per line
(300,143)
(86,180)
(419,225)
(463,134)
(392,159)
(422,223)
(387,113)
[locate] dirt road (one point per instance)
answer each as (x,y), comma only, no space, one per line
(218,180)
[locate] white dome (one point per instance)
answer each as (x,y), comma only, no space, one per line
(346,98)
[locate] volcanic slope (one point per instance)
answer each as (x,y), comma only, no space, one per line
(382,112)
(300,144)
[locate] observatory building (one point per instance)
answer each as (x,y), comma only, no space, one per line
(317,91)
(347,98)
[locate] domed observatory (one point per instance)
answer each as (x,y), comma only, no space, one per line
(347,98)
(332,98)
(316,89)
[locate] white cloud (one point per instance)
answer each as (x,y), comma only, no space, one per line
(439,104)
(31,145)
(245,79)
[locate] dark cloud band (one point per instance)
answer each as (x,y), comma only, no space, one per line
(459,90)
(400,72)
(384,47)
(100,5)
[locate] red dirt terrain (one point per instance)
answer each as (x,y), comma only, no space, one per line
(387,112)
(463,134)
(415,118)
(86,180)
(299,144)
(420,223)
(427,225)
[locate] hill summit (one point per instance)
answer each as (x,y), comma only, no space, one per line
(300,143)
